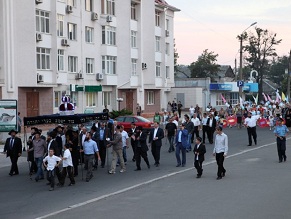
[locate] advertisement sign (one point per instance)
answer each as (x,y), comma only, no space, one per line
(8,115)
(220,87)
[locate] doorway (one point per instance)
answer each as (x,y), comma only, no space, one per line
(129,101)
(32,103)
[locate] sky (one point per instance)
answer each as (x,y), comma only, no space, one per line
(215,24)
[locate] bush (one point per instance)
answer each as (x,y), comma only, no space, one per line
(122,112)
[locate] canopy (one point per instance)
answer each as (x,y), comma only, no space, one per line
(64,119)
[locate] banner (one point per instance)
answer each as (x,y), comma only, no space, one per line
(62,119)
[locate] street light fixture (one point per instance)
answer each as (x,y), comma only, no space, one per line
(119,100)
(240,58)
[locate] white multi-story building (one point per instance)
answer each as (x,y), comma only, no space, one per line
(95,51)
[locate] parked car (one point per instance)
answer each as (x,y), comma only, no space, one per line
(138,120)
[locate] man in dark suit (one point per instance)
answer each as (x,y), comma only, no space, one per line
(199,151)
(211,125)
(155,139)
(13,148)
(181,145)
(141,148)
(133,142)
(100,137)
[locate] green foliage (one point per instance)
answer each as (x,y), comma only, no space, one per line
(277,69)
(123,112)
(261,50)
(205,66)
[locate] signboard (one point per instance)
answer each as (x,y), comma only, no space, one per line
(220,87)
(8,115)
(240,83)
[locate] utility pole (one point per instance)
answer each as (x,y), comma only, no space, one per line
(289,71)
(235,69)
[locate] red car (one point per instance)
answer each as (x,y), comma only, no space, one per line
(138,120)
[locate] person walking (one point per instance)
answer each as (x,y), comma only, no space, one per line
(138,110)
(280,132)
(141,148)
(89,149)
(100,136)
(67,166)
(181,145)
(170,133)
(197,123)
(220,151)
(39,149)
(116,144)
(211,125)
(180,106)
(199,151)
(13,149)
(204,127)
(155,139)
(251,123)
(190,128)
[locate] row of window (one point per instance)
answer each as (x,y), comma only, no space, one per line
(108,63)
(107,6)
(91,98)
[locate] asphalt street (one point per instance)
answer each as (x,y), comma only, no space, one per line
(255,186)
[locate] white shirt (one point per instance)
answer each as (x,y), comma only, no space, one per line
(204,120)
(176,123)
(49,145)
(83,138)
(197,157)
(191,110)
(51,161)
(195,121)
(155,132)
(124,138)
(68,161)
(251,122)
(221,144)
(210,122)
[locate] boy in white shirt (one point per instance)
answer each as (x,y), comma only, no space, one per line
(67,167)
(50,162)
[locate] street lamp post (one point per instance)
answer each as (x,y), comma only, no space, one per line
(119,100)
(240,56)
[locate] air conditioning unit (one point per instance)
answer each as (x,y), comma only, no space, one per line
(69,9)
(64,42)
(94,16)
(79,76)
(167,33)
(144,65)
(38,37)
(39,78)
(109,18)
(38,2)
(99,77)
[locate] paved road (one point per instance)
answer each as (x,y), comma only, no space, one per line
(256,186)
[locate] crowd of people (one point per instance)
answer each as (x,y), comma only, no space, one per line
(63,149)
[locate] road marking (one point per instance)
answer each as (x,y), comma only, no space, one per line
(148,182)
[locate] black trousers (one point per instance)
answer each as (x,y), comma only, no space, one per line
(252,132)
(198,166)
(67,171)
(219,160)
(139,153)
(210,132)
(75,160)
(51,177)
(204,132)
(156,151)
(102,153)
(133,145)
(14,167)
(196,132)
(281,148)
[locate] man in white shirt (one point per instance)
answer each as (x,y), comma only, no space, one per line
(191,111)
(196,122)
(251,123)
(204,127)
(220,151)
(67,167)
(125,139)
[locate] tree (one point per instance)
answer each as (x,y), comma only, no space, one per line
(277,72)
(205,66)
(261,49)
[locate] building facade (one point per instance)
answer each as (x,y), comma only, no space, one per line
(95,51)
